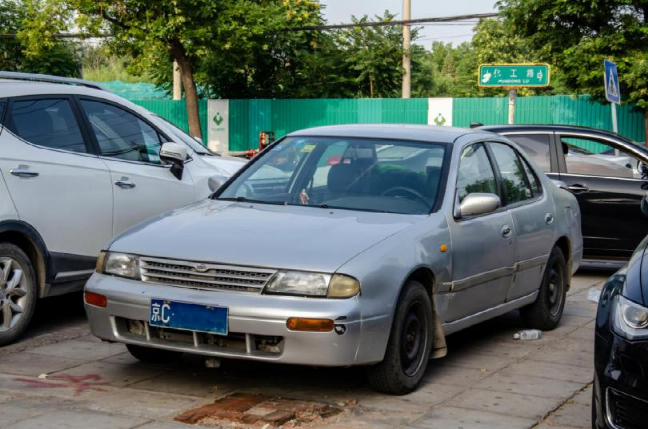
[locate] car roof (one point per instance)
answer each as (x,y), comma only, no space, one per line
(551,127)
(422,133)
(17,88)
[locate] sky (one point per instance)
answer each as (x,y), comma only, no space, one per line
(339,11)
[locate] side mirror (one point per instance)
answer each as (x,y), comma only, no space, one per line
(176,154)
(479,203)
(215,182)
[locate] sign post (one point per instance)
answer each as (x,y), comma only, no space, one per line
(612,90)
(514,76)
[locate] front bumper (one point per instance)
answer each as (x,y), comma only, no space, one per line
(257,324)
(621,383)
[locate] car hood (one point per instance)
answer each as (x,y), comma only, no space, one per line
(226,164)
(261,235)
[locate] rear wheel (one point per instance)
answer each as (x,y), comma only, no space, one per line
(151,355)
(18,293)
(409,346)
(545,313)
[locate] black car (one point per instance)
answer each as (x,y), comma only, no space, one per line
(606,172)
(620,394)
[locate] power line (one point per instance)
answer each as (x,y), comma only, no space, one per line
(440,20)
(392,23)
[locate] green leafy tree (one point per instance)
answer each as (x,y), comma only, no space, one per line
(57,58)
(577,35)
(374,56)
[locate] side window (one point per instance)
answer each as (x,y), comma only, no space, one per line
(121,134)
(536,187)
(475,172)
(514,179)
(536,147)
(592,157)
(3,104)
(46,122)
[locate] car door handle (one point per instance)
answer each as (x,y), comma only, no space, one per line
(506,231)
(125,183)
(578,188)
(23,172)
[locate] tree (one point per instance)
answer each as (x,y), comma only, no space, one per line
(374,56)
(576,36)
(58,58)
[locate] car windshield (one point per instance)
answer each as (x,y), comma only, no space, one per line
(345,173)
(187,139)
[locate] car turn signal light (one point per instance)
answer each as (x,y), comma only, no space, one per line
(310,325)
(96,299)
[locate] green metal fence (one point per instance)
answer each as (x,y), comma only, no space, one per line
(248,117)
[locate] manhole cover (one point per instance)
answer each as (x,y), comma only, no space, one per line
(253,410)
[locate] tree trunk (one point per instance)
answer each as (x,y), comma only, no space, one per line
(191,94)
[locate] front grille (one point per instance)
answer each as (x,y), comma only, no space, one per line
(627,412)
(232,344)
(199,275)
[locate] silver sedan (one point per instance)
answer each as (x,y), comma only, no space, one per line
(347,245)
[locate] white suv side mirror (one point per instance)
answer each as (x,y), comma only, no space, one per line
(176,154)
(173,152)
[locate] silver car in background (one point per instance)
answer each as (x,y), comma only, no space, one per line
(346,245)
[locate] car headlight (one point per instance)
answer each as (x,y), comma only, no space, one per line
(313,284)
(119,264)
(629,319)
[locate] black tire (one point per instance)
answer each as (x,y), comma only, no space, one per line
(18,293)
(409,346)
(151,355)
(545,313)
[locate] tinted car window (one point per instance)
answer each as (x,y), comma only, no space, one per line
(121,134)
(536,147)
(46,122)
(536,187)
(514,179)
(475,172)
(592,157)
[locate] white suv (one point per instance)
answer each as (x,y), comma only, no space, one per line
(79,165)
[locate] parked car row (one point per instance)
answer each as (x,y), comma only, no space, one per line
(336,246)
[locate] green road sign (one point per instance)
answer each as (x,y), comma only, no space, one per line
(514,75)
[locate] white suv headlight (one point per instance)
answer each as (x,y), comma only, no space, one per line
(301,283)
(119,264)
(629,319)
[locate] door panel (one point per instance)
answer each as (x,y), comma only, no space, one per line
(71,193)
(533,219)
(142,191)
(143,185)
(482,247)
(482,264)
(606,182)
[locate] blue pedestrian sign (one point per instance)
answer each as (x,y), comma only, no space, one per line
(612,90)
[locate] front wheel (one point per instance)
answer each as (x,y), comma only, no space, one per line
(18,293)
(409,346)
(545,313)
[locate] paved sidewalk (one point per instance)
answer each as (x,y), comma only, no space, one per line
(488,380)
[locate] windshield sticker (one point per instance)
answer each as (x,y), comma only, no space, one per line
(308,148)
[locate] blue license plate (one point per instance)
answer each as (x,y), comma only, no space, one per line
(189,317)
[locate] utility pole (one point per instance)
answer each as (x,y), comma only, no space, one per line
(407,65)
(177,82)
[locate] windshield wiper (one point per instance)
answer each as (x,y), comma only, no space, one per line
(249,200)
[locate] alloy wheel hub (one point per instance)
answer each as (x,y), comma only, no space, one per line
(13,293)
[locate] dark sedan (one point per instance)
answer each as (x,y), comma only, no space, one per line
(607,174)
(620,395)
